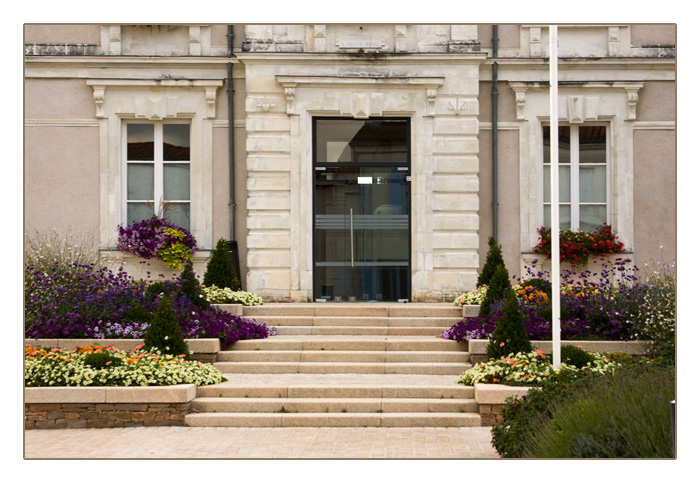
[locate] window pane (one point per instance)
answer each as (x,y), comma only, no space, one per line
(178,213)
(564,184)
(176,142)
(592,144)
(592,186)
(564,144)
(136,212)
(564,216)
(139,181)
(361,141)
(139,142)
(176,181)
(592,216)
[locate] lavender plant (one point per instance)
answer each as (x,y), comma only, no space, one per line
(94,302)
(608,302)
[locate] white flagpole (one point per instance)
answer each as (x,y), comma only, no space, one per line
(554,190)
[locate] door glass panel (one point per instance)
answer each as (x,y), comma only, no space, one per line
(361,141)
(361,234)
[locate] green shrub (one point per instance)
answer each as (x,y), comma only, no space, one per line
(575,356)
(163,333)
(500,282)
(624,415)
(190,286)
(510,336)
(494,259)
(220,271)
(522,416)
(102,359)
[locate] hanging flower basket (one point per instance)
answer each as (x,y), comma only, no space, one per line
(576,246)
(159,239)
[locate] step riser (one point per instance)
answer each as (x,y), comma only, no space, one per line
(342,356)
(332,420)
(433,344)
(291,321)
(334,405)
(339,368)
(313,330)
(395,392)
(353,310)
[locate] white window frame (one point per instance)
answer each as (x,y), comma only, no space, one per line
(575,164)
(158,167)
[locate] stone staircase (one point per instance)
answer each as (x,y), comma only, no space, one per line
(343,365)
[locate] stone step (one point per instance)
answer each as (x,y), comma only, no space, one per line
(294,321)
(454,368)
(358,330)
(313,389)
(342,356)
(350,343)
(333,419)
(354,310)
(332,405)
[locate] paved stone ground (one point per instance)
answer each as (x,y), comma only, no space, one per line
(266,443)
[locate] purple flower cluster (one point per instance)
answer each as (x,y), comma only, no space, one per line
(604,305)
(146,237)
(96,303)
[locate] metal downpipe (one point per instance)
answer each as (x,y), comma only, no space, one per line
(494,132)
(232,244)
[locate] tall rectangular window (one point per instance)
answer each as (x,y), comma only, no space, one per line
(583,177)
(158,172)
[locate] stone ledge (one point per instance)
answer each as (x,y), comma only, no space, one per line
(477,347)
(236,309)
(491,399)
(196,346)
(180,393)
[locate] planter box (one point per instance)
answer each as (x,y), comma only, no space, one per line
(150,269)
(470,310)
(106,407)
(203,350)
(477,347)
(491,399)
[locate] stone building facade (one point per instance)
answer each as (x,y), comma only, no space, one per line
(351,162)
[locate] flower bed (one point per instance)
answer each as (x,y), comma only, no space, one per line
(613,304)
(109,366)
(91,302)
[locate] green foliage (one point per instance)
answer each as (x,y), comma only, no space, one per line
(500,282)
(164,334)
(521,416)
(102,359)
(189,285)
(494,259)
(625,415)
(575,356)
(220,271)
(510,336)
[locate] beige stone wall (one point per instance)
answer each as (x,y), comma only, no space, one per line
(61,34)
(61,162)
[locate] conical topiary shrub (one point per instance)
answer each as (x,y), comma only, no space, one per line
(510,335)
(497,289)
(220,271)
(163,333)
(494,259)
(189,285)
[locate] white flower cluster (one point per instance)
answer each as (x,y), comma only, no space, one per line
(475,297)
(218,295)
(531,368)
(138,368)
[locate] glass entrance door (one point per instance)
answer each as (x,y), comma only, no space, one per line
(361,220)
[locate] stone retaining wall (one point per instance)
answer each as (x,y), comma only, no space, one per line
(106,407)
(491,399)
(477,347)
